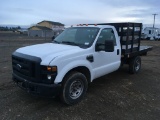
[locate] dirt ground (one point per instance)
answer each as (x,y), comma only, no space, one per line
(117,96)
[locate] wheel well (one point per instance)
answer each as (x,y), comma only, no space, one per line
(82,69)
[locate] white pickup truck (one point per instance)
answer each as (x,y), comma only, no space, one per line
(76,57)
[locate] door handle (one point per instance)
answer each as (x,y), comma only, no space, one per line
(117,51)
(90,58)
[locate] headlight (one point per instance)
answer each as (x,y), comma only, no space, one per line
(49,77)
(49,74)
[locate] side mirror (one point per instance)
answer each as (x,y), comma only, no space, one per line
(53,37)
(107,47)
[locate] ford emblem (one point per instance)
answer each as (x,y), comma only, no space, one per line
(19,66)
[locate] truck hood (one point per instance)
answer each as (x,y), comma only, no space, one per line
(48,49)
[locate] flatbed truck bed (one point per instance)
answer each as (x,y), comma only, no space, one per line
(130,39)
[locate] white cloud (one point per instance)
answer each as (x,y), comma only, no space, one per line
(80,11)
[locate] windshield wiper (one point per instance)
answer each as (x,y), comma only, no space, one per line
(70,43)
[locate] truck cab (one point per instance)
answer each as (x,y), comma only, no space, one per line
(74,59)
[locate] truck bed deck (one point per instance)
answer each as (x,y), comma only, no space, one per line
(142,51)
(145,48)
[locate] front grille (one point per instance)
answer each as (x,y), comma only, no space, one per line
(23,66)
(27,67)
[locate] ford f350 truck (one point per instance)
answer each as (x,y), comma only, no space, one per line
(76,57)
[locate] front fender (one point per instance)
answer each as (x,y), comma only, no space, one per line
(70,66)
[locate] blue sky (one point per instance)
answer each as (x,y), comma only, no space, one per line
(68,12)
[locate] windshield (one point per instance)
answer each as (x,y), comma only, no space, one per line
(80,36)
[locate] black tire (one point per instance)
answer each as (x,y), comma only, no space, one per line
(154,38)
(135,65)
(74,88)
(148,38)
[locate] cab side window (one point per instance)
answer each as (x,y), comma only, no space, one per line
(106,34)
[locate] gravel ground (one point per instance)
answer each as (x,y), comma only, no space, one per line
(117,96)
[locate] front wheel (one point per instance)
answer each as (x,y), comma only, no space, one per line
(74,88)
(135,65)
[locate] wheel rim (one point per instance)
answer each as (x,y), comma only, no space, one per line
(137,65)
(76,89)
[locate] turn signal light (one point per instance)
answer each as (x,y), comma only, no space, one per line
(53,69)
(49,68)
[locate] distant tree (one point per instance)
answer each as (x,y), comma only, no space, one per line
(9,28)
(18,27)
(6,29)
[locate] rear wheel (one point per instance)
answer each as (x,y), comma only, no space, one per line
(74,88)
(135,65)
(148,38)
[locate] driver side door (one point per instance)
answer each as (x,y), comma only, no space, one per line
(106,62)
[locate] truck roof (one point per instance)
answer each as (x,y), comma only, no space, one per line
(86,25)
